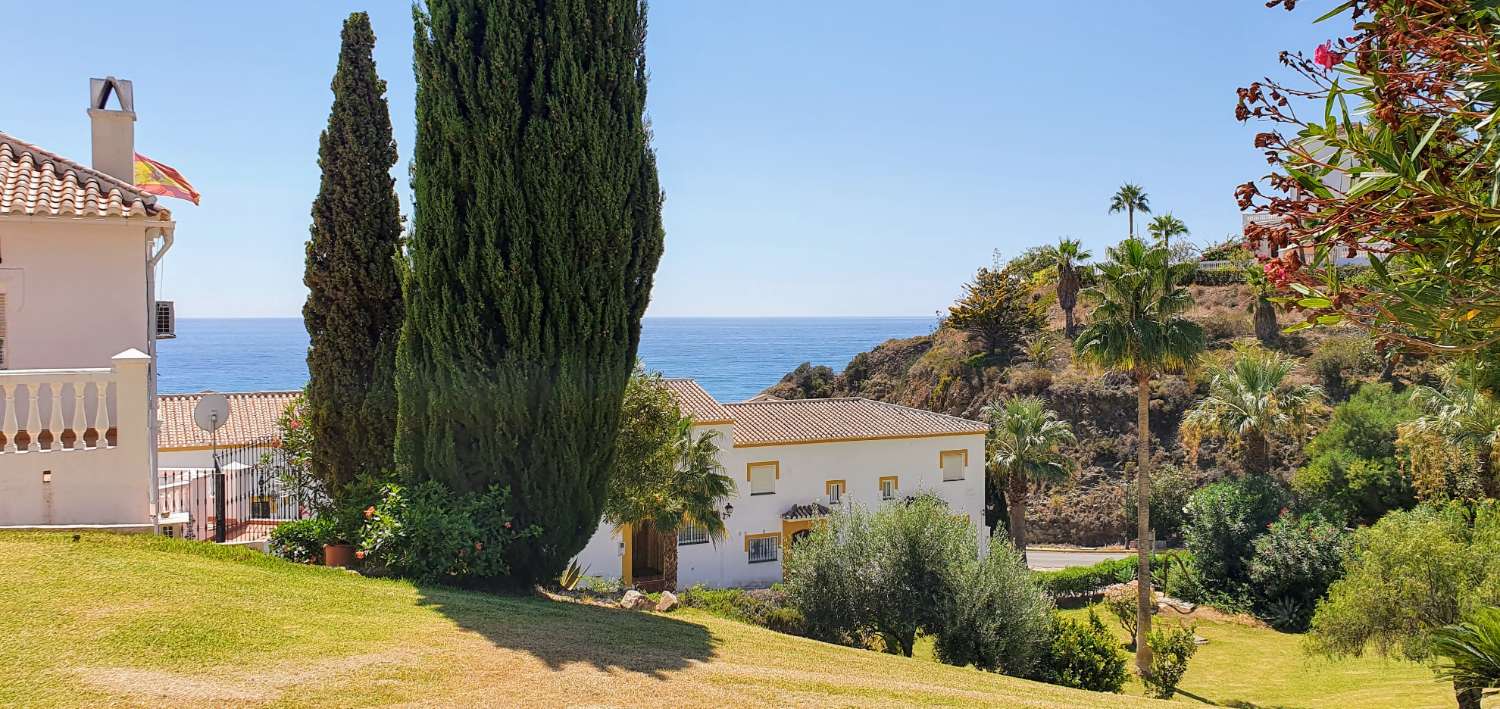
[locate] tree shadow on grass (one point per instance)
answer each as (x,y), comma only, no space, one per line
(561,633)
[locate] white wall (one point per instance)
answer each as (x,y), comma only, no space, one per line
(75,291)
(93,486)
(804,470)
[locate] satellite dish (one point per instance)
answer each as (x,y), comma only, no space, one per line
(211,412)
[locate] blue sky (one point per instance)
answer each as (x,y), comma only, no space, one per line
(850,157)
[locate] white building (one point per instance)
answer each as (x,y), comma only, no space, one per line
(791,460)
(78,319)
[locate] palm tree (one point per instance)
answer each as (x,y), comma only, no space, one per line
(1249,399)
(1067,258)
(1164,227)
(1130,199)
(1025,448)
(1472,651)
(1137,327)
(1462,413)
(1262,310)
(692,496)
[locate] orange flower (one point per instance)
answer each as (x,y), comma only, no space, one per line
(369,511)
(359,554)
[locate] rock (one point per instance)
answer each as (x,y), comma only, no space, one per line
(634,600)
(668,602)
(1200,640)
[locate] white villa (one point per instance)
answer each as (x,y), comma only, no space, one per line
(791,461)
(78,328)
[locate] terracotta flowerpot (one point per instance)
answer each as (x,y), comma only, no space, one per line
(340,555)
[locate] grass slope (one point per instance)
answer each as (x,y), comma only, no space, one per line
(148,621)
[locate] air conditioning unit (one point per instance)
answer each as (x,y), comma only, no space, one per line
(166,320)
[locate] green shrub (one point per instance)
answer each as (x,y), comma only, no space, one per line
(1339,360)
(427,533)
(1218,276)
(998,617)
(301,541)
(764,607)
(890,573)
(1171,648)
(1292,566)
(1223,519)
(1082,656)
(1080,580)
(1171,486)
(1122,603)
(1352,475)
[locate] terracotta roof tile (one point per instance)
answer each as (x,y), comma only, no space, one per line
(695,401)
(761,423)
(252,419)
(34,182)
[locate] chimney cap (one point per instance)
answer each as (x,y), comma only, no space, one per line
(100,90)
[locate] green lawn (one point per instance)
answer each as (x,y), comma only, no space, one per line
(145,621)
(1248,667)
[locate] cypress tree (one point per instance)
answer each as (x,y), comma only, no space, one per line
(536,234)
(353,310)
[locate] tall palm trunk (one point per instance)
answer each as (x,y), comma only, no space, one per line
(669,561)
(1015,498)
(1068,284)
(1257,454)
(1144,600)
(1467,698)
(1265,322)
(1130,218)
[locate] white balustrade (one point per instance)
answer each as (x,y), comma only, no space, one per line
(58,404)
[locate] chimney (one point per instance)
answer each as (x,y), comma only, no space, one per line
(113,130)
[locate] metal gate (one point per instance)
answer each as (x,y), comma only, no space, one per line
(248,492)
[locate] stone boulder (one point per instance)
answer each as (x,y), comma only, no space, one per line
(634,600)
(668,602)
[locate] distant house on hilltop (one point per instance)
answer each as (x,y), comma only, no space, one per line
(78,327)
(792,462)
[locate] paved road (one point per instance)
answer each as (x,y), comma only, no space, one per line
(1053,559)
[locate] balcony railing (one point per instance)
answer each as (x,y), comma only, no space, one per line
(55,410)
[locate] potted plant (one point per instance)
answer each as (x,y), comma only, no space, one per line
(339,550)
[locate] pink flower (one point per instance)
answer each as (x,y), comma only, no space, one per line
(294,424)
(507,525)
(359,554)
(1325,57)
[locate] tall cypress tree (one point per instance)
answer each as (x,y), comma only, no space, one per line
(537,231)
(353,311)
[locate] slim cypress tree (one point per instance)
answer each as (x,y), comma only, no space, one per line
(353,311)
(537,231)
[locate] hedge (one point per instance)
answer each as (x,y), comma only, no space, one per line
(1079,580)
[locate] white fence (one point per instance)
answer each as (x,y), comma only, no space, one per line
(75,445)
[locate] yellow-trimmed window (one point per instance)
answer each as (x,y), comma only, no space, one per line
(762,548)
(953,464)
(763,476)
(888,487)
(835,490)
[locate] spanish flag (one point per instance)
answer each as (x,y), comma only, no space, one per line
(153,177)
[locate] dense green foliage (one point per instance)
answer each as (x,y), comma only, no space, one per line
(428,533)
(1223,520)
(1025,448)
(1171,648)
(1353,474)
(1171,486)
(1408,575)
(999,309)
(1470,651)
(301,540)
(883,575)
(997,618)
(1083,655)
(1292,566)
(766,607)
(1340,360)
(354,309)
(1078,580)
(536,234)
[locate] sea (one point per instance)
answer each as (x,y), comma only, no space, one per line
(733,358)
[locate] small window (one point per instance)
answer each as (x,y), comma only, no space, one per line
(835,491)
(692,534)
(764,549)
(762,477)
(953,463)
(888,488)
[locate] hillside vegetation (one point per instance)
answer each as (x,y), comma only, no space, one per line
(948,372)
(148,621)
